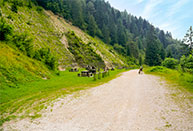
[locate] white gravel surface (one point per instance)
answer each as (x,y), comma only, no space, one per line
(130,102)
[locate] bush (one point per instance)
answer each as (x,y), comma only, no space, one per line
(5,30)
(15,4)
(0,12)
(158,69)
(44,55)
(18,2)
(14,8)
(170,63)
(24,43)
(120,49)
(39,9)
(187,63)
(30,4)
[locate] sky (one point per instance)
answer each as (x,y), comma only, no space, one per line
(175,16)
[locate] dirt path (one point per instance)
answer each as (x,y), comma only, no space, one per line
(130,102)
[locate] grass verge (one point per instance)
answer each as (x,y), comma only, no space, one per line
(185,80)
(29,98)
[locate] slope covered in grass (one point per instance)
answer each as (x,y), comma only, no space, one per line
(16,68)
(48,30)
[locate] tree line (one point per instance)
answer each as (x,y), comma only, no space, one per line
(129,35)
(135,38)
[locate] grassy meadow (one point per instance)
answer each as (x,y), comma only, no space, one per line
(29,98)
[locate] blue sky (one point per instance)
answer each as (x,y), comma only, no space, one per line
(175,16)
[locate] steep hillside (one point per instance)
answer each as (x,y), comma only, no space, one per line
(49,31)
(106,52)
(16,68)
(120,29)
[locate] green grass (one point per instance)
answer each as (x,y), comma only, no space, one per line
(185,80)
(23,92)
(17,68)
(31,97)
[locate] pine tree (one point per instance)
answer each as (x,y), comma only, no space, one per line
(188,39)
(92,27)
(169,54)
(106,34)
(76,11)
(152,54)
(162,38)
(140,61)
(162,53)
(134,51)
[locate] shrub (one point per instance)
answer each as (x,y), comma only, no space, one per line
(24,43)
(170,63)
(5,30)
(44,55)
(14,8)
(15,4)
(18,2)
(39,9)
(30,4)
(0,12)
(187,63)
(131,61)
(157,69)
(120,49)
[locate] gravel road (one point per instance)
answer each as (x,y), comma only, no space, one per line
(130,102)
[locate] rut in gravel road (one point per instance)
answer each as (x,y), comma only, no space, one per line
(130,102)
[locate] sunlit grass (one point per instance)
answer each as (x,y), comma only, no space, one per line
(185,80)
(30,97)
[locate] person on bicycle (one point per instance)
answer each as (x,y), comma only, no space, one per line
(140,69)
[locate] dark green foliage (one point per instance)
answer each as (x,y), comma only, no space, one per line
(5,30)
(39,9)
(23,43)
(14,8)
(162,53)
(83,53)
(176,50)
(140,61)
(106,35)
(170,63)
(187,63)
(188,40)
(169,53)
(92,27)
(131,61)
(45,55)
(120,49)
(16,4)
(134,51)
(77,13)
(30,4)
(0,13)
(152,55)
